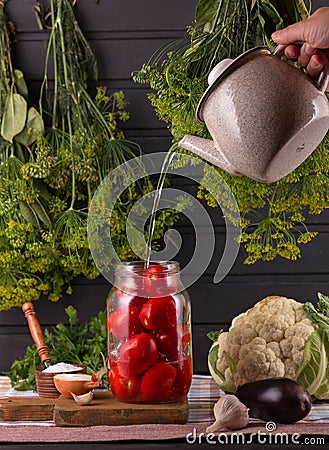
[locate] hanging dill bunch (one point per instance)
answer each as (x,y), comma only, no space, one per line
(272,215)
(50,173)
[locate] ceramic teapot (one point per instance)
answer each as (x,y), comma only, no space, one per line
(265,115)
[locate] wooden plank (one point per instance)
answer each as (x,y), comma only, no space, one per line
(206,297)
(106,15)
(105,409)
(142,115)
(222,302)
(26,408)
(123,15)
(107,52)
(52,313)
(203,293)
(315,257)
(201,342)
(17,343)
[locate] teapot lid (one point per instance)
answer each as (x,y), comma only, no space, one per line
(222,69)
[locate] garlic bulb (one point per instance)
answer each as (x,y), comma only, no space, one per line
(229,413)
(83,399)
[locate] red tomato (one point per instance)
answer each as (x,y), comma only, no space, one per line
(124,388)
(133,300)
(184,377)
(138,301)
(158,283)
(173,340)
(158,381)
(158,313)
(124,322)
(137,354)
(168,343)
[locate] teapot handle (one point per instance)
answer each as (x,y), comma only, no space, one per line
(323,79)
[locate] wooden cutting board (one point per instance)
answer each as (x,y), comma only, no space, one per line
(105,409)
(26,408)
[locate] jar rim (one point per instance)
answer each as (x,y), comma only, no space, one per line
(138,267)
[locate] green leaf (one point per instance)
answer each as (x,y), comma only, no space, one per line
(212,364)
(295,10)
(41,189)
(39,16)
(28,213)
(20,83)
(302,10)
(323,304)
(72,315)
(313,372)
(206,11)
(14,116)
(213,335)
(32,128)
(40,211)
(272,13)
(318,316)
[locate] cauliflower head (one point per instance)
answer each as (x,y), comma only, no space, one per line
(266,341)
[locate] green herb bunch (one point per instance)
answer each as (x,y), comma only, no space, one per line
(273,215)
(52,161)
(20,125)
(77,343)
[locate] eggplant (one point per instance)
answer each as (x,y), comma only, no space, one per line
(280,400)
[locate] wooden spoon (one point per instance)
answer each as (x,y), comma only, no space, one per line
(37,333)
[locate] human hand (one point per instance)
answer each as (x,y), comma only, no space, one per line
(314,32)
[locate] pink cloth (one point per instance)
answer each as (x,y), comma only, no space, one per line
(191,431)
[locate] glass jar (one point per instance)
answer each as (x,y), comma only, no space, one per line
(149,334)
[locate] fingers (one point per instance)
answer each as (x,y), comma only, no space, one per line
(314,66)
(292,52)
(314,32)
(307,57)
(306,53)
(290,34)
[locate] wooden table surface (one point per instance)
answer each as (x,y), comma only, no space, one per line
(204,392)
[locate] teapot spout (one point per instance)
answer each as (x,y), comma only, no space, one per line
(206,148)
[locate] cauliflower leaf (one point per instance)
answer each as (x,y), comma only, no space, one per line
(313,372)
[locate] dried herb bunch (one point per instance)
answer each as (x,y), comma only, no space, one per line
(52,160)
(273,215)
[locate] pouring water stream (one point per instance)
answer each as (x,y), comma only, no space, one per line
(157,197)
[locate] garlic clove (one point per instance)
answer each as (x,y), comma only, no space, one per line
(83,399)
(229,413)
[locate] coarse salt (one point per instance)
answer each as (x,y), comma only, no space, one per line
(61,367)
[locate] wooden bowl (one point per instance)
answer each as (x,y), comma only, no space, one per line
(45,382)
(78,383)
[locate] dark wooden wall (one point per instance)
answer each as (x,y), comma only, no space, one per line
(123,35)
